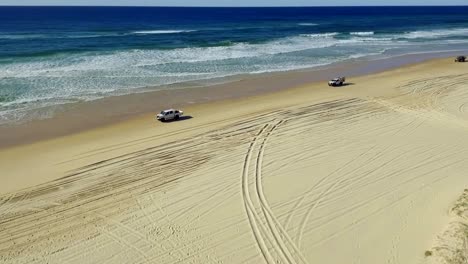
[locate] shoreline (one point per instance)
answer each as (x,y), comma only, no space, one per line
(84,116)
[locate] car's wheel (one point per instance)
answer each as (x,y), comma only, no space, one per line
(176,117)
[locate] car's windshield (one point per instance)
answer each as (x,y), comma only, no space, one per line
(162,112)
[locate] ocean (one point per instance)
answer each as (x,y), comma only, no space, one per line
(50,56)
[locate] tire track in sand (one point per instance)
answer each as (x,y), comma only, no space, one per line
(249,206)
(273,223)
(266,229)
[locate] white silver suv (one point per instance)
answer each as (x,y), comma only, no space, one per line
(337,81)
(170,114)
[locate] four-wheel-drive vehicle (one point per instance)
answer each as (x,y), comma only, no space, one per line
(170,114)
(460,59)
(337,81)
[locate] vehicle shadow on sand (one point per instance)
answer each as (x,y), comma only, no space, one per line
(344,85)
(182,118)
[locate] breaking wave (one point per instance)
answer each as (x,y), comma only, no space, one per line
(367,33)
(149,32)
(437,33)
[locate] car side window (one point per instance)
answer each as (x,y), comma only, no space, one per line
(176,112)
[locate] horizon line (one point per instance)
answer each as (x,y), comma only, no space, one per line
(298,6)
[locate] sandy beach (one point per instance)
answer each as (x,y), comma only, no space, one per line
(370,172)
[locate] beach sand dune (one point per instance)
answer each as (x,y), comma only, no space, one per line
(365,173)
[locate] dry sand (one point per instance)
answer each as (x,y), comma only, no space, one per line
(365,173)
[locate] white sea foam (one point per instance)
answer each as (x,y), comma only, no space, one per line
(75,65)
(321,35)
(439,33)
(148,32)
(365,33)
(21,36)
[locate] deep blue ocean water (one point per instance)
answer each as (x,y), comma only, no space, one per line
(56,55)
